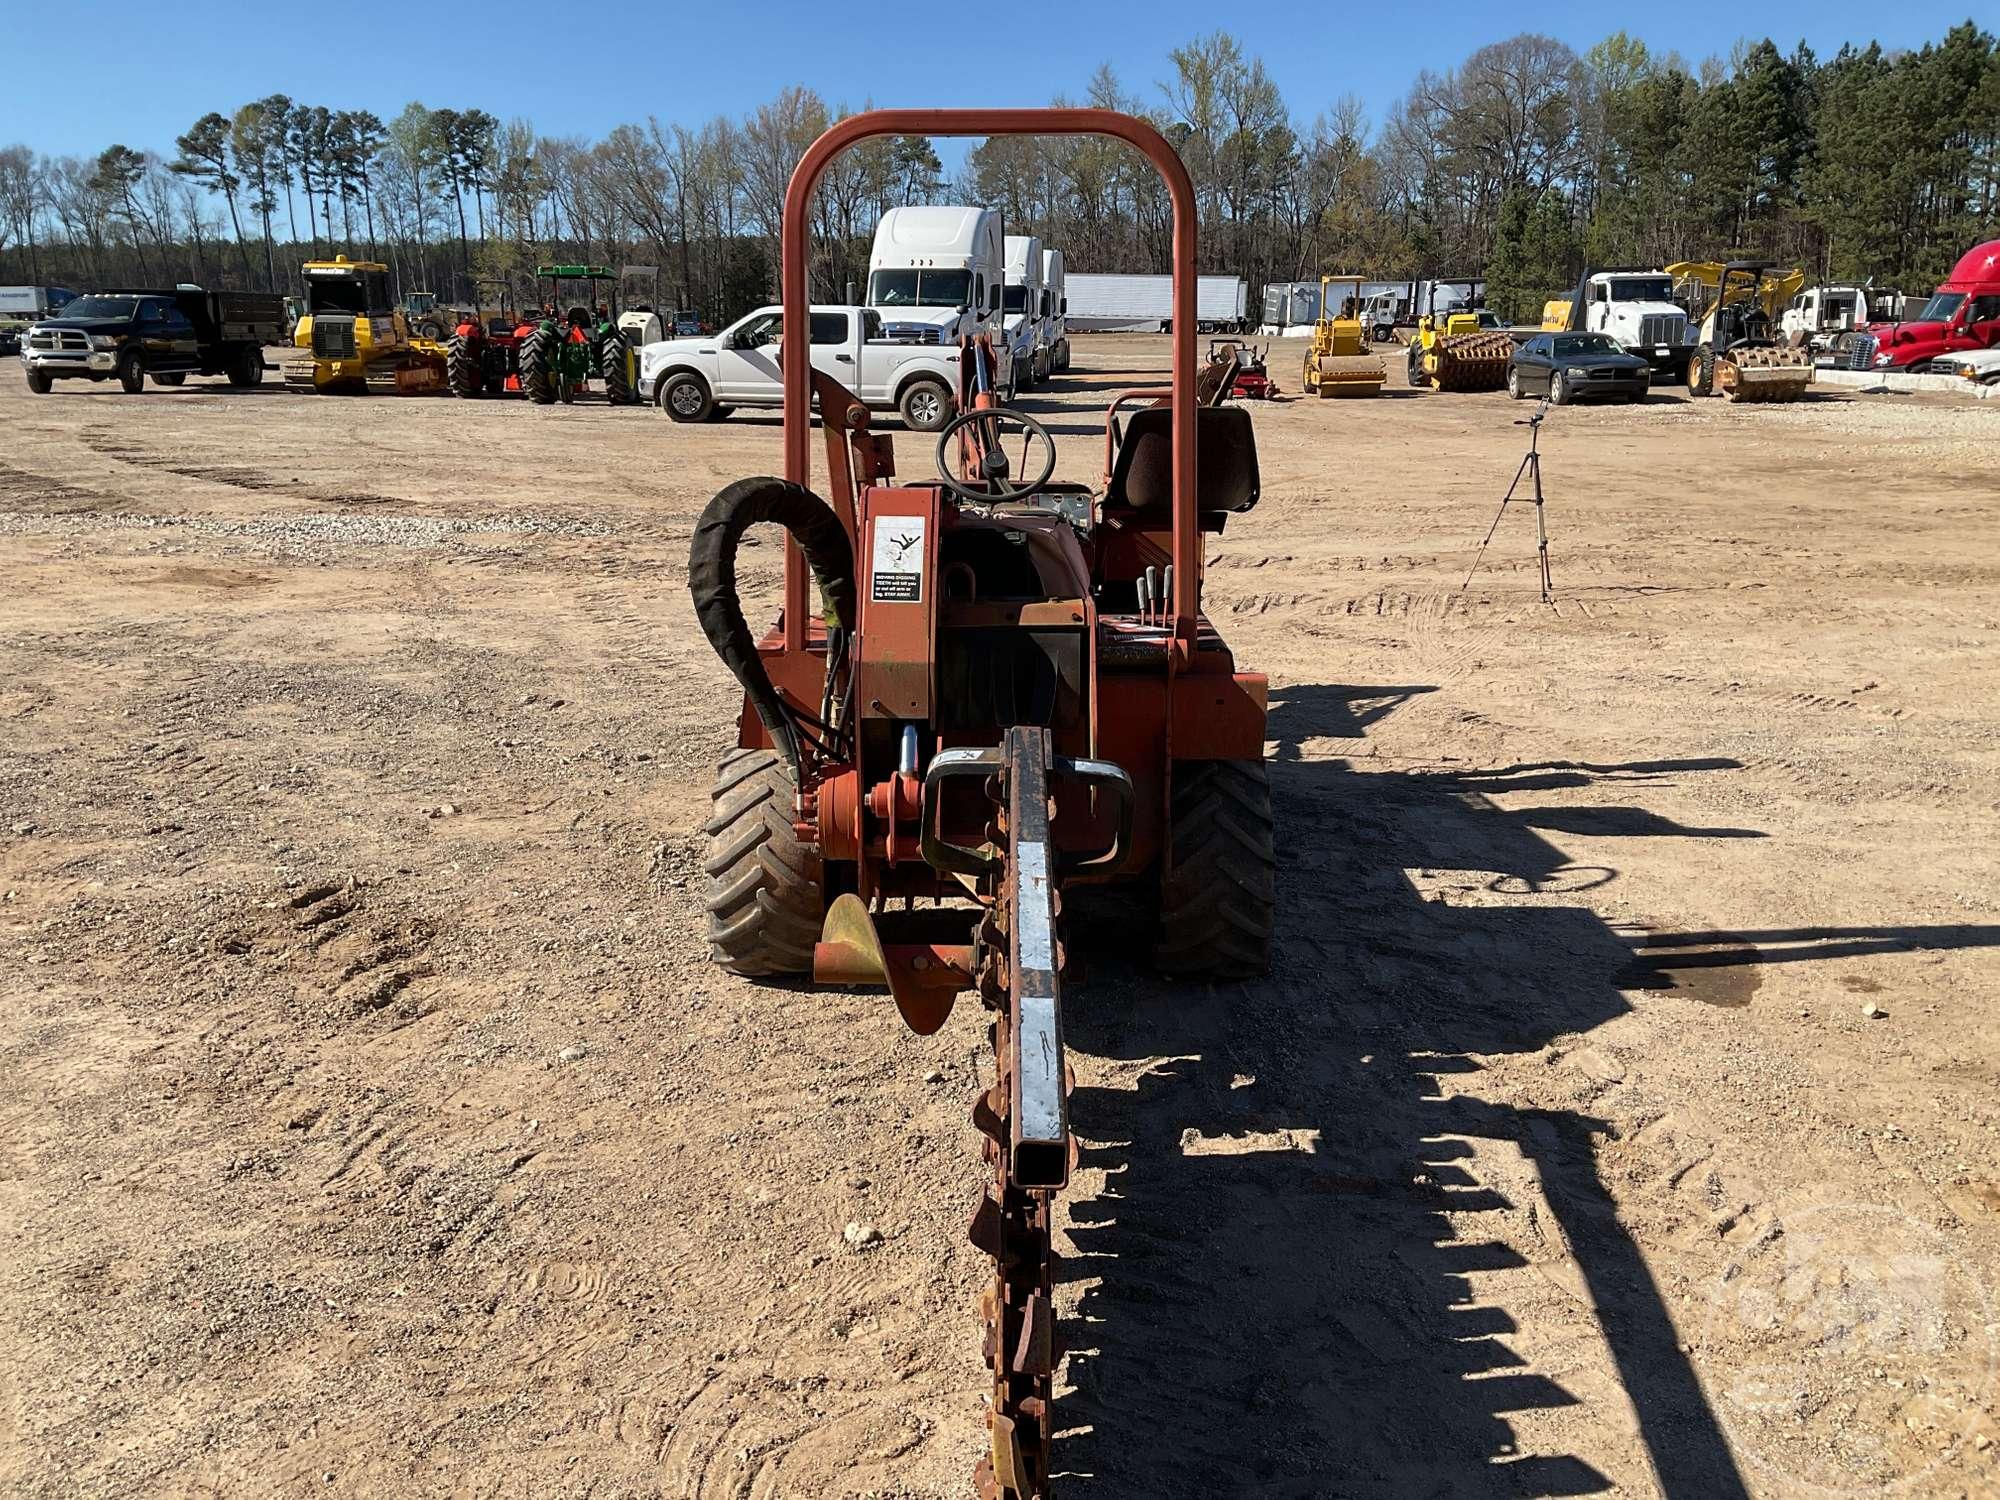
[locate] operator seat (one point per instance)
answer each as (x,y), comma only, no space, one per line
(1226,477)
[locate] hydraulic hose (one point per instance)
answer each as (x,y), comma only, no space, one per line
(712,581)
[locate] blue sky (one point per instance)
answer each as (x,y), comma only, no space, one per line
(140,73)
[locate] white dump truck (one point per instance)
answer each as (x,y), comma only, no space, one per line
(1021,308)
(1637,308)
(935,274)
(703,378)
(1055,312)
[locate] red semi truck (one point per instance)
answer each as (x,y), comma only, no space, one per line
(1963,313)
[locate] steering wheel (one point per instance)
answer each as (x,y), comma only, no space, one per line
(994,470)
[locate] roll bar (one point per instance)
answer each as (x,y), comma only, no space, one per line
(988,122)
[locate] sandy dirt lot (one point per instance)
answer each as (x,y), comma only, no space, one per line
(1621,1115)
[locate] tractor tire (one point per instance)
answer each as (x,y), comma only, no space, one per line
(1413,368)
(131,375)
(685,397)
(40,382)
(614,367)
(764,897)
(1701,373)
(1218,892)
(464,372)
(538,375)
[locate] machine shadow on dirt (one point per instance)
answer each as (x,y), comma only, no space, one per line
(1276,1303)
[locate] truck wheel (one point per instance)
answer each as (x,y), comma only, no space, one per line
(764,895)
(40,382)
(131,375)
(926,405)
(1219,890)
(170,377)
(1413,368)
(247,369)
(538,377)
(685,397)
(613,365)
(464,372)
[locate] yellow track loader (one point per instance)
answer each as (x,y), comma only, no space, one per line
(1461,349)
(1738,354)
(352,338)
(1338,363)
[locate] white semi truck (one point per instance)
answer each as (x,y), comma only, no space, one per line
(935,275)
(1021,307)
(1824,313)
(1055,311)
(700,379)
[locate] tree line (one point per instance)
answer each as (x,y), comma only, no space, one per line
(1526,161)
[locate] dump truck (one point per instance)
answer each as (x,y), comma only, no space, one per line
(1738,353)
(161,334)
(1338,362)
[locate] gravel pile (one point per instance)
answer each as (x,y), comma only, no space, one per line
(303,530)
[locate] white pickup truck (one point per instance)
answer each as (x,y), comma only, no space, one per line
(700,379)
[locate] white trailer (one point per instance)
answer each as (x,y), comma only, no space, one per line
(1021,306)
(32,302)
(1145,304)
(935,275)
(1055,311)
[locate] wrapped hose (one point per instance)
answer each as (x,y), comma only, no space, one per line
(712,581)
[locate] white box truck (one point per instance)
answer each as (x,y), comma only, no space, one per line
(1055,317)
(1145,304)
(935,275)
(1021,307)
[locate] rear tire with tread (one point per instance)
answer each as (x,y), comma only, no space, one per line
(926,404)
(1219,892)
(611,365)
(538,376)
(131,375)
(765,900)
(464,370)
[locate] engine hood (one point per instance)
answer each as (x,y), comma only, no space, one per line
(87,325)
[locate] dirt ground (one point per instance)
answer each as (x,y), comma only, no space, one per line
(1621,1115)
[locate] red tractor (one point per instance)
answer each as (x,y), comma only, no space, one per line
(483,352)
(1008,690)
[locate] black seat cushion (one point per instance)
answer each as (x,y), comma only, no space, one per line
(1226,461)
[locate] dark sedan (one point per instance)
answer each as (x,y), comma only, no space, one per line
(1568,367)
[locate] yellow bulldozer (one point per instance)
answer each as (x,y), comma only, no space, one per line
(1739,353)
(353,338)
(1462,348)
(1338,362)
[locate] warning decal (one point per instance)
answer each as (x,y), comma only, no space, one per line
(896,568)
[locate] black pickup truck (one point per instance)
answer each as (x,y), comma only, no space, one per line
(169,335)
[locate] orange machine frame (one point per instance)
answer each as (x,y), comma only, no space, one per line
(797,368)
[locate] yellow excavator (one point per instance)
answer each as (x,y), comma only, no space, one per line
(1463,348)
(1739,353)
(1338,362)
(353,338)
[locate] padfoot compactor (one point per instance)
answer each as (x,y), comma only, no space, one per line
(1462,348)
(1739,354)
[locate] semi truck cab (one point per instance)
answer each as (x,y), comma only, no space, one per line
(1021,308)
(1962,314)
(935,276)
(1055,312)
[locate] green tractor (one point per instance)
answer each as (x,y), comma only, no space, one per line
(576,341)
